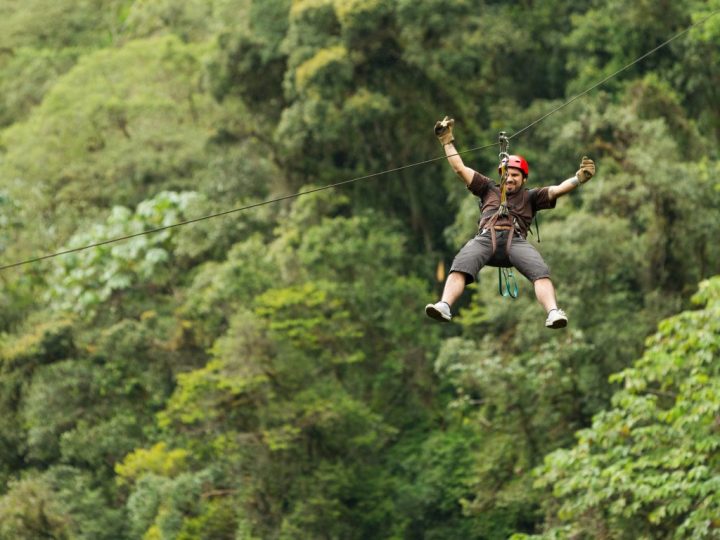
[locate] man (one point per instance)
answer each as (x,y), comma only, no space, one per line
(501,238)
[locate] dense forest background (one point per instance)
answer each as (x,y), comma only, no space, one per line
(270,374)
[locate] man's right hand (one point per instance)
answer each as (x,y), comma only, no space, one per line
(443,130)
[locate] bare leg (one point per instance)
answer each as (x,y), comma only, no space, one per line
(545,292)
(454,286)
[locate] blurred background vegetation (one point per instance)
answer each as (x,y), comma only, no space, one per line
(271,374)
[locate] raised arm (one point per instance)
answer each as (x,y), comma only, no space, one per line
(584,173)
(443,131)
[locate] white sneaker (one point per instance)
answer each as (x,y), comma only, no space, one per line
(439,312)
(556,319)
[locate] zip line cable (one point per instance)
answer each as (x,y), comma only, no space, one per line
(358,178)
(603,81)
(232,211)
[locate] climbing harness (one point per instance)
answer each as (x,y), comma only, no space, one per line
(502,211)
(507,284)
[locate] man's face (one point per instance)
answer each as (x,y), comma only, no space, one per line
(514,181)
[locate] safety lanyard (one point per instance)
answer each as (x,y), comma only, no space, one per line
(504,158)
(510,288)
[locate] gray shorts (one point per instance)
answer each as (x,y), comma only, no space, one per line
(478,253)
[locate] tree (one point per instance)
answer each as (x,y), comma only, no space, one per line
(137,138)
(647,467)
(289,419)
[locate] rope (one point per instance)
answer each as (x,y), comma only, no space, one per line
(606,79)
(503,141)
(232,211)
(356,179)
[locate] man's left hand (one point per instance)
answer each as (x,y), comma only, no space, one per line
(586,171)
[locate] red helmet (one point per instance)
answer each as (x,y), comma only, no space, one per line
(518,162)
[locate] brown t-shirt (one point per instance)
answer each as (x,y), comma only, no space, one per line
(522,205)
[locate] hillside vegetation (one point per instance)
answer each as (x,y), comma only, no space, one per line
(269,374)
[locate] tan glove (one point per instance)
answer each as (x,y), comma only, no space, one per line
(586,170)
(443,130)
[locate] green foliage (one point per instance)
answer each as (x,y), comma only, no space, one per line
(48,342)
(87,279)
(180,507)
(288,388)
(29,510)
(437,481)
(60,503)
(27,75)
(55,24)
(269,373)
(596,42)
(157,460)
(647,465)
(191,20)
(242,54)
(517,407)
(87,502)
(99,127)
(219,289)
